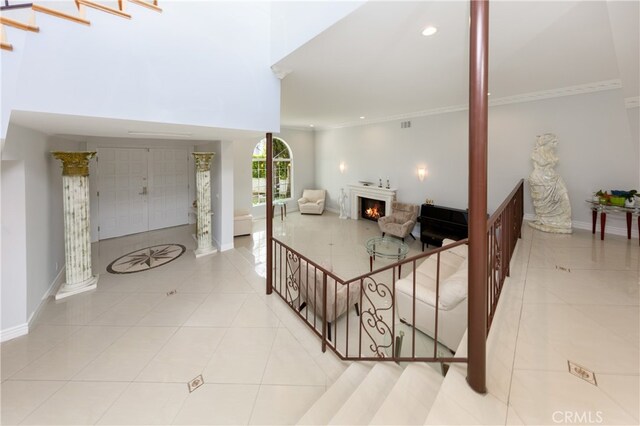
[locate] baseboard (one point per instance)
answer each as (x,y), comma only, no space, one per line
(22,329)
(13,332)
(225,247)
(612,230)
(57,282)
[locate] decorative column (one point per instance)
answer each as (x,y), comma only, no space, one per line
(77,232)
(203,195)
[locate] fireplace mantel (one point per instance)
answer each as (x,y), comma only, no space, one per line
(357,191)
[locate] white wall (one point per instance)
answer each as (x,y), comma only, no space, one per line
(32,221)
(301,143)
(294,23)
(199,63)
(596,150)
(14,250)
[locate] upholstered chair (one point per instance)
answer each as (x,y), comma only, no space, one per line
(401,221)
(340,297)
(312,201)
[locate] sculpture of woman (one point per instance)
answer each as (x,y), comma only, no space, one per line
(548,191)
(341,201)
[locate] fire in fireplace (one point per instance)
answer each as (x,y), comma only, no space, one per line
(371,209)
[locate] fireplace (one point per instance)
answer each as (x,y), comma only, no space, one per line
(357,192)
(371,209)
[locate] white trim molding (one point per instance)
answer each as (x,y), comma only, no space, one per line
(596,86)
(13,332)
(611,230)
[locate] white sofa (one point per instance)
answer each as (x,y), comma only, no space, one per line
(452,312)
(312,201)
(242,223)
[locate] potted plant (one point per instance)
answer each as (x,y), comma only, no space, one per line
(603,197)
(630,198)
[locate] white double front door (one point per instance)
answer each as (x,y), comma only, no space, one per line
(141,189)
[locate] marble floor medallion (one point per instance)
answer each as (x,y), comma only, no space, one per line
(146,258)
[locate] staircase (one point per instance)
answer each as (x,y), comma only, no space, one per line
(377,394)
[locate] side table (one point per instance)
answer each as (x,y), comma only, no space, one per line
(603,209)
(283,209)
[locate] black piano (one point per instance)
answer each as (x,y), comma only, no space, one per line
(438,223)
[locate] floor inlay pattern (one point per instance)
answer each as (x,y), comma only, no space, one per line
(195,383)
(583,373)
(146,258)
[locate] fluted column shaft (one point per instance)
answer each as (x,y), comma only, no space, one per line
(203,195)
(77,230)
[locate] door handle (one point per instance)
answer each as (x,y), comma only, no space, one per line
(144,191)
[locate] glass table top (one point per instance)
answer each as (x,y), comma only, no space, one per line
(390,248)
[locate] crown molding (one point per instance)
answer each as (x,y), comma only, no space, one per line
(633,102)
(597,86)
(299,128)
(280,72)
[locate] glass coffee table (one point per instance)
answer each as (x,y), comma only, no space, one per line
(386,248)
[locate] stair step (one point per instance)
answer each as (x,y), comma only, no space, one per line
(411,398)
(330,402)
(368,396)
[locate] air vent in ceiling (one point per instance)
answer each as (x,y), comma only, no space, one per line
(405,124)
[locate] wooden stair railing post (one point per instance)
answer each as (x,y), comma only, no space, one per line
(478,116)
(269,207)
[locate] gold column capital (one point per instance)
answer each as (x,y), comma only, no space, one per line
(74,163)
(203,160)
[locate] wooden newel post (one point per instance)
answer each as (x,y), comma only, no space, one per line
(478,117)
(269,207)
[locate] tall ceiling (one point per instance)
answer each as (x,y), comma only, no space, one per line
(376,63)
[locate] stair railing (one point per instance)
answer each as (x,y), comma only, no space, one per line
(79,18)
(356,318)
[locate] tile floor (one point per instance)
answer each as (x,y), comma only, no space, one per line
(124,353)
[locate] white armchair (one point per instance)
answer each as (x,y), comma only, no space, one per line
(312,201)
(452,302)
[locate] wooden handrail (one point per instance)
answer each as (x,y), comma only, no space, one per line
(103,8)
(6,46)
(19,25)
(152,6)
(58,14)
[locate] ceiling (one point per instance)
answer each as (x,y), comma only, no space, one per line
(69,125)
(376,63)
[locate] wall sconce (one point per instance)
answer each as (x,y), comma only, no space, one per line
(342,167)
(421,173)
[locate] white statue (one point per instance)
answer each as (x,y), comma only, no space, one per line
(548,191)
(341,201)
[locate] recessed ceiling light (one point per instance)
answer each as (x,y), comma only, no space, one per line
(310,125)
(488,93)
(429,31)
(362,118)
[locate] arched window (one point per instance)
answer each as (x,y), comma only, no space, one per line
(282,176)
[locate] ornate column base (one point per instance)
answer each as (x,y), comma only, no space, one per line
(67,289)
(205,251)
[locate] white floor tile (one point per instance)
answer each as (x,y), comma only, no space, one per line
(19,398)
(540,396)
(76,403)
(283,405)
(184,356)
(218,404)
(217,310)
(174,310)
(127,356)
(241,356)
(146,404)
(290,364)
